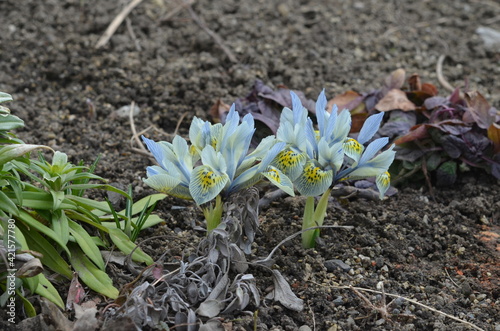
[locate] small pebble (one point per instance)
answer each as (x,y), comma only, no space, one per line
(333,265)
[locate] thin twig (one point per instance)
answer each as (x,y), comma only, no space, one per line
(312,315)
(440,77)
(132,34)
(177,9)
(116,23)
(132,128)
(212,34)
(404,298)
(290,237)
(179,123)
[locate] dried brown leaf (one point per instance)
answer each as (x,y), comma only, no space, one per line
(494,136)
(347,100)
(418,132)
(395,80)
(395,99)
(218,111)
(478,109)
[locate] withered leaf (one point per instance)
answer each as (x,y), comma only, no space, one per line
(395,80)
(479,110)
(348,100)
(395,99)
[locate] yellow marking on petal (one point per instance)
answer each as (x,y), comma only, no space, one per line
(317,135)
(274,174)
(383,182)
(314,181)
(206,184)
(213,142)
(290,163)
(353,148)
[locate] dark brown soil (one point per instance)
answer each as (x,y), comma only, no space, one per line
(440,250)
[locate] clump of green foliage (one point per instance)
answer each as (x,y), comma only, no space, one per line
(46,203)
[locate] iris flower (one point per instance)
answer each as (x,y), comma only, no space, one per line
(315,160)
(216,164)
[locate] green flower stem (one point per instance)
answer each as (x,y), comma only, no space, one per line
(213,214)
(313,217)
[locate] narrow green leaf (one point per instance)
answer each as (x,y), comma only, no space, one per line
(57,199)
(28,306)
(35,224)
(152,220)
(90,204)
(31,283)
(7,205)
(92,276)
(51,257)
(60,225)
(39,200)
(125,245)
(138,206)
(47,290)
(86,243)
(11,152)
(84,215)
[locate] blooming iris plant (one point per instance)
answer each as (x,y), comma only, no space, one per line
(216,164)
(315,160)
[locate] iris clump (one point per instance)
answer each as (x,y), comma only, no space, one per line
(315,160)
(216,164)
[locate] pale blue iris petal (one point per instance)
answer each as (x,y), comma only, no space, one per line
(313,181)
(312,145)
(290,163)
(213,159)
(195,133)
(375,166)
(321,111)
(286,132)
(299,140)
(353,149)
(155,149)
(248,118)
(383,182)
(337,151)
(232,121)
(155,170)
(271,155)
(181,150)
(206,183)
(342,127)
(330,124)
(241,141)
(279,179)
(373,149)
(297,107)
(169,185)
(215,135)
(264,146)
(246,179)
(330,157)
(370,127)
